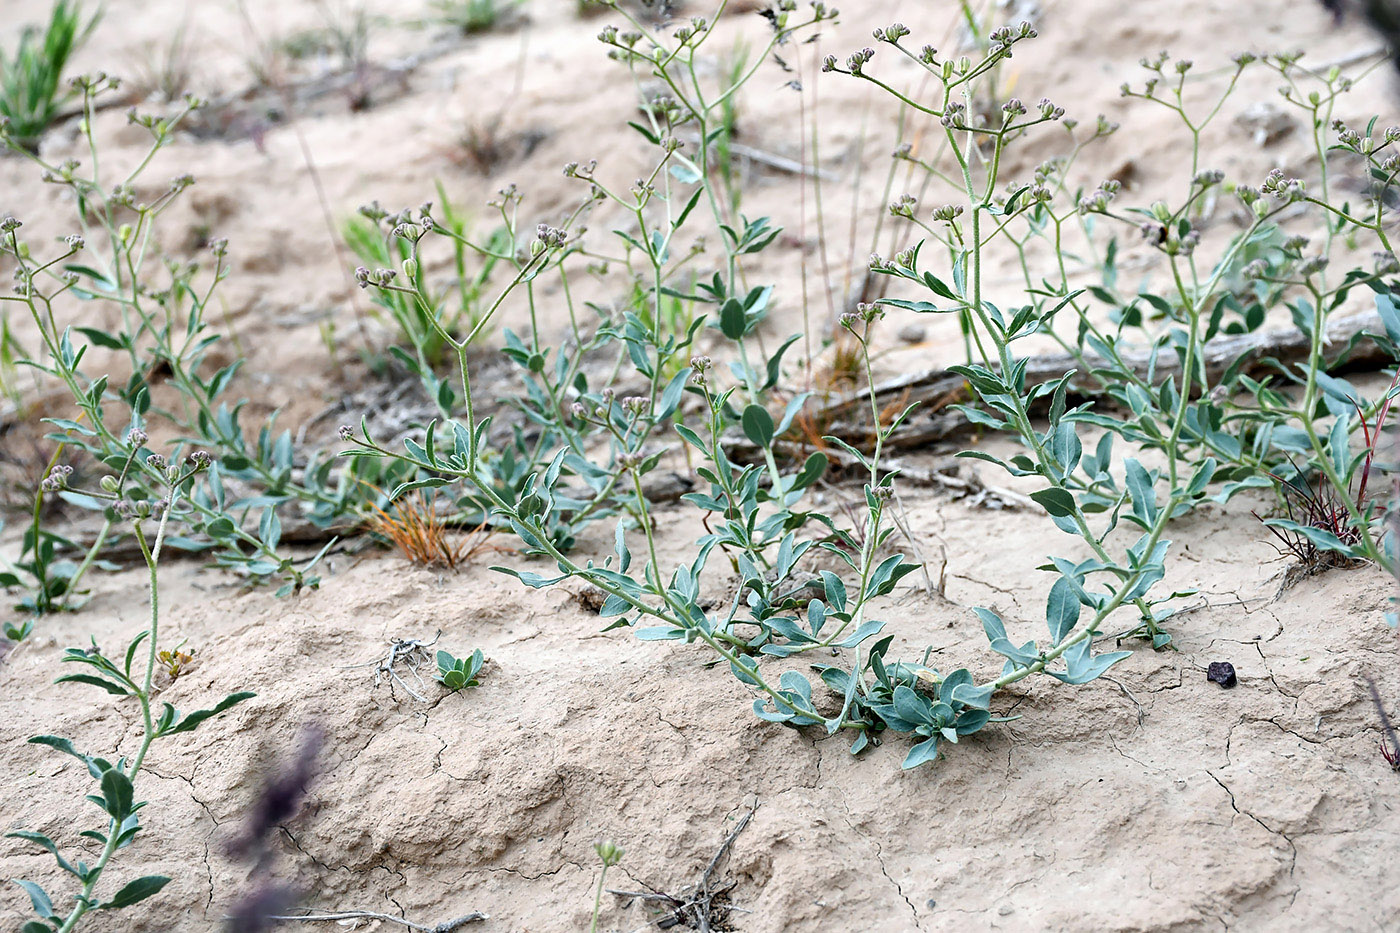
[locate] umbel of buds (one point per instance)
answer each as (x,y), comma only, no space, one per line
(57,478)
(551,237)
(380,277)
(892,33)
(903,206)
(1282,187)
(609,851)
(1311,267)
(859,60)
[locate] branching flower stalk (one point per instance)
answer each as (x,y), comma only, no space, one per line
(117,781)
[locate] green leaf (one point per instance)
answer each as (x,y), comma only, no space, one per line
(198,716)
(1081,668)
(835,590)
(117,794)
(431,482)
(95,681)
(733,322)
(1062,610)
(758,425)
(135,891)
(1058,502)
(48,845)
(42,905)
(1065,447)
(922,753)
(775,363)
(811,471)
(1141,488)
(101,338)
(671,397)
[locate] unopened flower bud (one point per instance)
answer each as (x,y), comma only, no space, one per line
(609,852)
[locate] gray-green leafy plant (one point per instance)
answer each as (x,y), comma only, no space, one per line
(1192,433)
(31,79)
(130,675)
(456,673)
(754,510)
(1212,433)
(114,260)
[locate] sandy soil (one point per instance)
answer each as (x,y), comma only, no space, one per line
(1151,800)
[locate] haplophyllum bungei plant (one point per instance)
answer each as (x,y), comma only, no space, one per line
(753,510)
(1175,406)
(127,677)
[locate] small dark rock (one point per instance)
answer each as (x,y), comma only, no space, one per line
(913,333)
(1221,672)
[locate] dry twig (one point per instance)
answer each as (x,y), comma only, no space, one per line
(447,926)
(697,907)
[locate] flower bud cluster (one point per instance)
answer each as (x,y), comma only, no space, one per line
(1283,187)
(857,62)
(892,33)
(1102,196)
(57,478)
(377,277)
(903,206)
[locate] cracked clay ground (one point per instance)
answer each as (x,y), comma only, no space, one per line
(1151,800)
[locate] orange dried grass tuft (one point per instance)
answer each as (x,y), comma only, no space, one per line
(424,536)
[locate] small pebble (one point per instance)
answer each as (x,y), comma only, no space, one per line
(912,333)
(1221,672)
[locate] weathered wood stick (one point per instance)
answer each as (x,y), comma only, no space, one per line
(848,416)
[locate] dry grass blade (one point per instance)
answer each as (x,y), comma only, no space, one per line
(423,535)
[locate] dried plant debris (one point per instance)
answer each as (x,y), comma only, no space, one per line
(409,654)
(704,906)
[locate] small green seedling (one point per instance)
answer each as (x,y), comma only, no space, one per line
(19,631)
(456,673)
